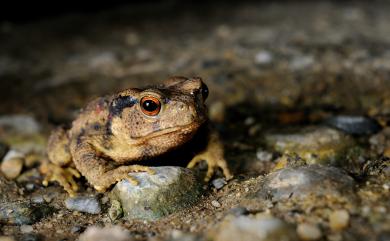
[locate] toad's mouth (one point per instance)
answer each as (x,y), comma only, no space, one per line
(184,130)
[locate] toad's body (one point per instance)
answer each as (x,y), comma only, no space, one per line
(135,124)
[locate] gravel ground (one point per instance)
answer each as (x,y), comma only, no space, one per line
(278,73)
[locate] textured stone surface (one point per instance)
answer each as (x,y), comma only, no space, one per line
(83,204)
(307,183)
(316,145)
(169,190)
(261,228)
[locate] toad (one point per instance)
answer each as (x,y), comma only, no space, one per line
(113,132)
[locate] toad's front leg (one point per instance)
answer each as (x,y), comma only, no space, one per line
(98,171)
(214,156)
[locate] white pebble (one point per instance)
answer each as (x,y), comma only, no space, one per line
(339,220)
(215,203)
(26,229)
(308,231)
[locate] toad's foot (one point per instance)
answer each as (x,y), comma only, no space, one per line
(121,173)
(213,155)
(63,175)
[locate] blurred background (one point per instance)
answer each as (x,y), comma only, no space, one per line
(279,55)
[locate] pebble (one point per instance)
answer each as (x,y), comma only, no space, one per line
(259,228)
(20,123)
(11,167)
(263,57)
(310,183)
(339,220)
(301,62)
(86,204)
(263,155)
(219,183)
(215,203)
(26,229)
(315,144)
(114,233)
(239,211)
(307,231)
(76,229)
(168,190)
(354,125)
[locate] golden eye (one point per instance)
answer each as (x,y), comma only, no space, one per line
(150,105)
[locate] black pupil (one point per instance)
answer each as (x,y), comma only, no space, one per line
(205,91)
(149,105)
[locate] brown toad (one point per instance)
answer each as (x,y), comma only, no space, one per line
(113,132)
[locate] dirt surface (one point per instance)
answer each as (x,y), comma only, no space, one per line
(269,67)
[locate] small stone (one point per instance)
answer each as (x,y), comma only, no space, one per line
(307,231)
(168,190)
(301,62)
(259,228)
(11,168)
(83,204)
(263,57)
(114,233)
(20,123)
(76,229)
(338,220)
(219,183)
(354,125)
(37,199)
(316,145)
(307,185)
(30,186)
(115,211)
(264,156)
(26,229)
(239,211)
(215,203)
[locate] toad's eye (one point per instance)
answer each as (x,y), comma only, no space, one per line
(205,91)
(150,105)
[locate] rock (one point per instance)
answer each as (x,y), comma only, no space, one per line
(23,212)
(263,57)
(169,190)
(354,125)
(253,229)
(115,211)
(22,133)
(338,220)
(83,204)
(263,155)
(307,231)
(12,164)
(26,228)
(307,183)
(316,145)
(219,183)
(239,211)
(216,204)
(76,229)
(20,123)
(114,233)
